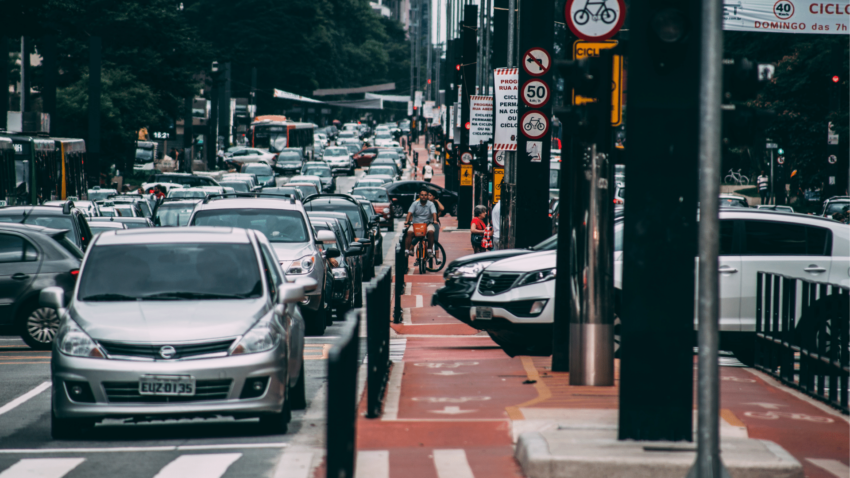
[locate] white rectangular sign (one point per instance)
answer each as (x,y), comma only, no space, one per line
(787,16)
(428,110)
(507,108)
(417,99)
(451,122)
(480,119)
(409,108)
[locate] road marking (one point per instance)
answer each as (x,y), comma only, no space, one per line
(21,363)
(452,464)
(767,379)
(792,416)
(393,392)
(205,466)
(294,465)
(316,351)
(408,287)
(23,398)
(833,466)
(419,302)
(448,373)
(42,468)
(769,406)
(444,364)
(372,464)
(15,357)
(450,399)
(447,410)
(731,419)
(543,392)
(736,379)
(132,449)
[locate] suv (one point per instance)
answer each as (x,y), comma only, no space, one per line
(359,221)
(66,218)
(186,179)
(284,222)
(31,259)
(209,326)
(834,205)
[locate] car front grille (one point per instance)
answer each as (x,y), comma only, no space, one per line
(128,392)
(520,308)
(493,283)
(151,351)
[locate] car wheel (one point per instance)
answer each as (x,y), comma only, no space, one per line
(276,423)
(316,322)
(298,393)
(39,326)
(398,211)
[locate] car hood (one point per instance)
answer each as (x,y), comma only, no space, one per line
(525,263)
(488,256)
(158,321)
(289,251)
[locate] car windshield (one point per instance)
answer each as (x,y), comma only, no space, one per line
(174,214)
(186,193)
(97,194)
(170,272)
(278,225)
(53,222)
(381,170)
(144,154)
(317,171)
(238,186)
(136,225)
(350,210)
(98,228)
(258,169)
(372,194)
(548,245)
(385,155)
(554,179)
(285,191)
(289,158)
(835,207)
(336,152)
(69,246)
(352,148)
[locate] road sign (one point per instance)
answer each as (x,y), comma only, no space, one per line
(498,177)
(583,49)
(536,62)
(466,174)
(780,160)
(535,93)
(499,159)
(595,20)
(466,158)
(832,159)
(771,146)
(534,124)
(507,108)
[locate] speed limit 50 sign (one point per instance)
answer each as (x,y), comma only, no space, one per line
(535,93)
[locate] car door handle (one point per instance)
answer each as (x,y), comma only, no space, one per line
(814,268)
(727,270)
(20,276)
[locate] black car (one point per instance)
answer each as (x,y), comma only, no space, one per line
(375,228)
(462,275)
(360,221)
(187,180)
(403,193)
(289,161)
(346,283)
(66,218)
(285,191)
(32,258)
(350,236)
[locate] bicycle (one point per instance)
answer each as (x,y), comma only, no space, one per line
(423,262)
(736,178)
(534,123)
(607,15)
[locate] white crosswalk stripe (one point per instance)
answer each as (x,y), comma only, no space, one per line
(41,468)
(452,464)
(372,464)
(199,466)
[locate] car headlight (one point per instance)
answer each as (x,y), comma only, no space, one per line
(339,273)
(260,338)
(386,210)
(537,276)
(302,266)
(75,342)
(469,271)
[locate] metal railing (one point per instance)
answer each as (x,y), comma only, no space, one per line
(342,399)
(802,336)
(377,306)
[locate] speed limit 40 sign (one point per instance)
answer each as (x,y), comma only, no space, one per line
(535,93)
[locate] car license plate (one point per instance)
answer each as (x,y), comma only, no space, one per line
(167,385)
(483,313)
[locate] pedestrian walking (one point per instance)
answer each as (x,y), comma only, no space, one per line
(478,228)
(427,172)
(762,182)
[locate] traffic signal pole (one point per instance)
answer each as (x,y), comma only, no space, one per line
(467,85)
(507,234)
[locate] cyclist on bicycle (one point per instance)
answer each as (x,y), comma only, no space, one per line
(439,206)
(421,212)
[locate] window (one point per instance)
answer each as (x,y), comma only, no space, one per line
(270,262)
(277,225)
(727,234)
(11,248)
(776,238)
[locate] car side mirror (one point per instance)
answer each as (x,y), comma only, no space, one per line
(52,297)
(307,283)
(332,252)
(365,242)
(326,237)
(376,218)
(355,249)
(291,294)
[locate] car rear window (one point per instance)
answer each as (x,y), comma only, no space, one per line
(53,222)
(783,239)
(381,170)
(170,272)
(372,194)
(173,214)
(350,210)
(277,225)
(317,171)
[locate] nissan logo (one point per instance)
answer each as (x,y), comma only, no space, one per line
(167,352)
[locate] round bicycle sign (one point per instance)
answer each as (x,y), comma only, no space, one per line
(535,93)
(466,158)
(499,159)
(832,159)
(536,62)
(534,124)
(595,20)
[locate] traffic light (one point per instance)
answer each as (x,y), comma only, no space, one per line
(835,79)
(590,79)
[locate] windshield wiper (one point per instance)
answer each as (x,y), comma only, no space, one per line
(188,296)
(109,297)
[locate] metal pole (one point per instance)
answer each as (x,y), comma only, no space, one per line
(25,63)
(487,68)
(772,199)
(411,38)
(708,464)
(429,53)
(439,56)
(508,234)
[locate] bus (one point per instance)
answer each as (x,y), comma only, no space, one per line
(7,170)
(72,175)
(275,133)
(42,169)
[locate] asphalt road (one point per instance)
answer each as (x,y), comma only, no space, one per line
(163,449)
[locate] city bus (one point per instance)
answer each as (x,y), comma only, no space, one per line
(7,170)
(72,175)
(275,132)
(42,169)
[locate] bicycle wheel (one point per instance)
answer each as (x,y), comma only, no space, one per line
(420,253)
(581,17)
(437,264)
(608,16)
(729,180)
(745,180)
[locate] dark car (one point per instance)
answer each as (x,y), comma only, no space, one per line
(307,189)
(288,161)
(382,160)
(364,157)
(346,284)
(130,222)
(380,203)
(263,172)
(348,233)
(66,218)
(323,172)
(32,258)
(403,193)
(360,221)
(174,212)
(188,180)
(238,185)
(374,227)
(462,275)
(285,191)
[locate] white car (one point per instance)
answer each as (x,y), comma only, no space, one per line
(321,138)
(253,155)
(339,159)
(383,139)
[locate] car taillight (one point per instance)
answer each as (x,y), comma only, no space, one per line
(74,273)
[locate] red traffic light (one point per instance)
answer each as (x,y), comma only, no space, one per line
(467,125)
(457,67)
(835,79)
(429,81)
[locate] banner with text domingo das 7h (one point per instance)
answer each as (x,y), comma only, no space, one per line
(787,16)
(507,108)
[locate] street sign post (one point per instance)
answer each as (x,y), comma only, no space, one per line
(594,21)
(507,112)
(499,159)
(498,177)
(466,175)
(534,124)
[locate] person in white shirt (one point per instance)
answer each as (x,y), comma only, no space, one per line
(427,171)
(495,217)
(762,182)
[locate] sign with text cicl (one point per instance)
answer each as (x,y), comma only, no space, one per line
(787,16)
(480,119)
(507,108)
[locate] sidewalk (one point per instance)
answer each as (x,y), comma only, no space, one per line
(456,404)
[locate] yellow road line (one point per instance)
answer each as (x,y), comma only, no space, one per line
(543,392)
(731,419)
